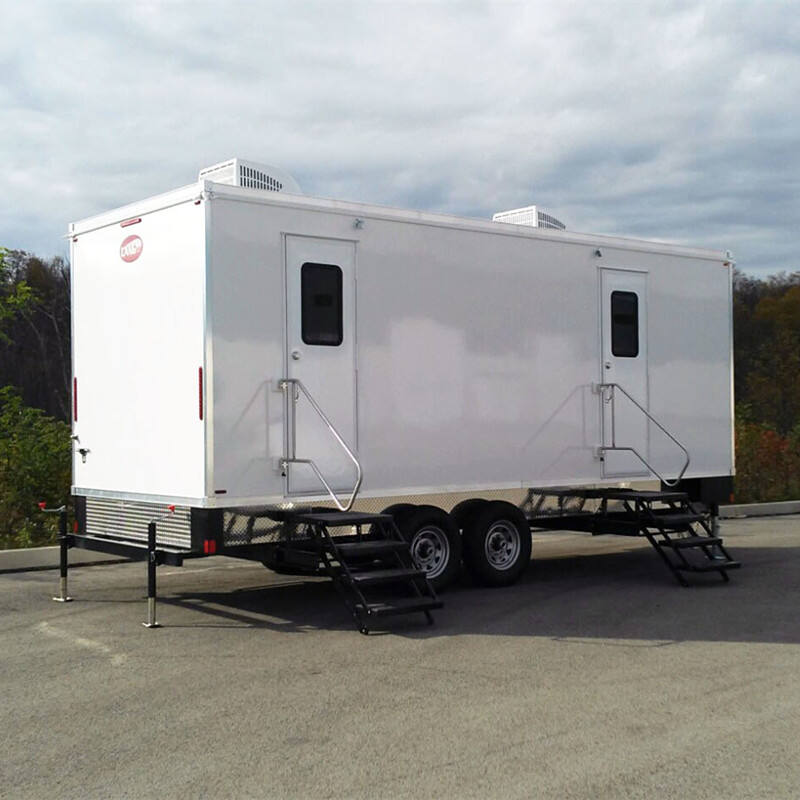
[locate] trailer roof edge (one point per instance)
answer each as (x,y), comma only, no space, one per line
(352,208)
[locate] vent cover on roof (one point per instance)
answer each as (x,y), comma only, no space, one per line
(530,215)
(250,175)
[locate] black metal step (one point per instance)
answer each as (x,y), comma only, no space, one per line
(372,547)
(336,519)
(691,541)
(710,566)
(399,606)
(673,520)
(646,496)
(377,576)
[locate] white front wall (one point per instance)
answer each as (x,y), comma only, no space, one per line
(138,342)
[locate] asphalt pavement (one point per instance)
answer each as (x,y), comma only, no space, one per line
(596,676)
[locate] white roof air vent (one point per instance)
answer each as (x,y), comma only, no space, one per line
(530,215)
(250,175)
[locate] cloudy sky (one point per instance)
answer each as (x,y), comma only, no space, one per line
(668,120)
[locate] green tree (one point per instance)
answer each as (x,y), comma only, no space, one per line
(35,449)
(773,386)
(35,466)
(35,353)
(766,324)
(15,295)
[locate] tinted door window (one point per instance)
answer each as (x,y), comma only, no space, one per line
(625,324)
(321,290)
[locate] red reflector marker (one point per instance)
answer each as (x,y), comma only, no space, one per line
(128,222)
(209,546)
(200,390)
(74,526)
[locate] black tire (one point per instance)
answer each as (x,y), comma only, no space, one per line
(497,544)
(399,511)
(435,544)
(275,562)
(465,510)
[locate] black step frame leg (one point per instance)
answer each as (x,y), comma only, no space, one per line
(151,577)
(63,541)
(714,510)
(668,561)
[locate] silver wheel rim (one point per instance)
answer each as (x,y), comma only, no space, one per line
(430,549)
(502,545)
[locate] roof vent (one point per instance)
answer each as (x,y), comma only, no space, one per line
(250,175)
(530,215)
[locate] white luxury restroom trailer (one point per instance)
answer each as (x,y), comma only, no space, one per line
(238,347)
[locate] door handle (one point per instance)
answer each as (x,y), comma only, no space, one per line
(296,355)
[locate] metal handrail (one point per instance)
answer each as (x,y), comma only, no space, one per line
(291,401)
(614,386)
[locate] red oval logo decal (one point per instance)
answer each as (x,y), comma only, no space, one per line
(131,248)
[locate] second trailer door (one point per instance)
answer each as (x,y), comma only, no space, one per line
(623,296)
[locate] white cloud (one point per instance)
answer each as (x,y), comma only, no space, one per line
(659,120)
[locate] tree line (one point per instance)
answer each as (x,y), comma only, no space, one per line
(766,335)
(35,332)
(35,374)
(35,396)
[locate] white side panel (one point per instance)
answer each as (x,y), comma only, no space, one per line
(476,357)
(624,424)
(691,367)
(476,351)
(246,307)
(138,330)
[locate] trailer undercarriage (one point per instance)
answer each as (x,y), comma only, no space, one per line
(381,570)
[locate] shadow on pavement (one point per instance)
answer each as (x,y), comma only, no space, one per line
(622,595)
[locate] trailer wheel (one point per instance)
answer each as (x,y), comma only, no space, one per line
(435,544)
(497,544)
(399,511)
(465,510)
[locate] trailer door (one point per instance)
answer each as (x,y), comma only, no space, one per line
(624,362)
(321,352)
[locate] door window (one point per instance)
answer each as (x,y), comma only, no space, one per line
(625,324)
(321,304)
